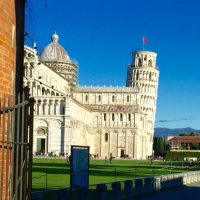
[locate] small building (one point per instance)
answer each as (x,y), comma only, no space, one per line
(189,143)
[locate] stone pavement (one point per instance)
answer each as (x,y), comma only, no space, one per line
(189,192)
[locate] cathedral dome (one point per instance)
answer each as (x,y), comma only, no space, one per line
(54,52)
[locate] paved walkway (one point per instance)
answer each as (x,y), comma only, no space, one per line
(189,192)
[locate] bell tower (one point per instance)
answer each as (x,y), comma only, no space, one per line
(143,73)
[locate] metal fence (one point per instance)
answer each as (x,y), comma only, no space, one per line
(112,190)
(16,138)
(121,190)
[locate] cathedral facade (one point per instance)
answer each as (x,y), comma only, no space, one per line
(117,121)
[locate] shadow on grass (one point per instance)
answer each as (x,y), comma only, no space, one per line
(107,171)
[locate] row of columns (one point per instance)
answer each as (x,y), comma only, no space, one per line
(148,101)
(32,70)
(119,120)
(87,98)
(49,107)
(122,142)
(37,89)
(147,88)
(145,75)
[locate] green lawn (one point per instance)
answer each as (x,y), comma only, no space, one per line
(52,173)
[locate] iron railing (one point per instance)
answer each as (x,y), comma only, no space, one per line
(16,138)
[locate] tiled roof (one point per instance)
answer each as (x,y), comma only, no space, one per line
(186,139)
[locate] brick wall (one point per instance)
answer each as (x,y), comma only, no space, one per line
(7,78)
(7,47)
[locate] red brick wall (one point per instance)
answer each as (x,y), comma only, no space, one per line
(7,47)
(7,70)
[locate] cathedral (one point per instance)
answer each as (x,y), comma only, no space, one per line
(117,121)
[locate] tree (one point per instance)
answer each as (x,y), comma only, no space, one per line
(189,134)
(160,146)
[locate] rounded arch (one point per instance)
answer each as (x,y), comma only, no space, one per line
(41,130)
(41,123)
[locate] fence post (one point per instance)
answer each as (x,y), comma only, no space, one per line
(128,189)
(101,191)
(30,146)
(153,171)
(139,187)
(115,173)
(116,189)
(135,172)
(46,180)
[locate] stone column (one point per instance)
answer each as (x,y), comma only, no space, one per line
(50,107)
(40,108)
(100,142)
(133,145)
(56,107)
(45,107)
(109,143)
(136,146)
(117,144)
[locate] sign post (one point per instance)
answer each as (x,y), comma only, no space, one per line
(79,167)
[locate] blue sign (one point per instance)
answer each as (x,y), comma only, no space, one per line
(79,167)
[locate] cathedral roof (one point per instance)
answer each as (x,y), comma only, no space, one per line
(115,108)
(107,89)
(54,52)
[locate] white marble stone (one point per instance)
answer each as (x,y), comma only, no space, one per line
(111,120)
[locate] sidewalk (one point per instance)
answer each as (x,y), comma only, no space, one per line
(189,192)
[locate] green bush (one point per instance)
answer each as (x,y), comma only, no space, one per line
(172,155)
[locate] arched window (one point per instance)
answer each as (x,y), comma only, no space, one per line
(137,75)
(41,131)
(106,137)
(129,117)
(113,117)
(86,97)
(150,63)
(140,62)
(113,98)
(121,117)
(104,116)
(99,98)
(43,91)
(150,76)
(128,98)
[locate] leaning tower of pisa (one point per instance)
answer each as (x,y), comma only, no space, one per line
(143,73)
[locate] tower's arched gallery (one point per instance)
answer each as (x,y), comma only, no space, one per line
(111,120)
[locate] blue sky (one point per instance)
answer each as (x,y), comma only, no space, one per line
(101,35)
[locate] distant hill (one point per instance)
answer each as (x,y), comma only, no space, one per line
(164,132)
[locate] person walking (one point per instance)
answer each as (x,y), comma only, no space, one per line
(106,160)
(110,159)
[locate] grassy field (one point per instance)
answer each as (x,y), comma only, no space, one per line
(52,173)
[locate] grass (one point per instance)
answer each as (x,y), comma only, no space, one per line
(53,173)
